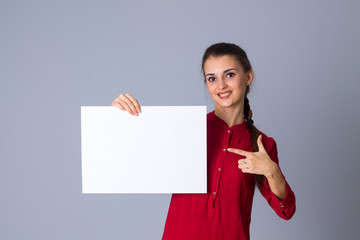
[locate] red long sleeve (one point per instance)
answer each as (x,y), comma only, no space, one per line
(285,208)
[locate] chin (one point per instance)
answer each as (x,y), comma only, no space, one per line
(228,104)
(225,105)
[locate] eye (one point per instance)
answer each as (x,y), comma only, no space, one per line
(230,75)
(211,79)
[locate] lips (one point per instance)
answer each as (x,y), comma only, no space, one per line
(224,94)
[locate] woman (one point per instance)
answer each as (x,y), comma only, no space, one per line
(239,157)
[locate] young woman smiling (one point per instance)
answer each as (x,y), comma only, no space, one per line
(240,157)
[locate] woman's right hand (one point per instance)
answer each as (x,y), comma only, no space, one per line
(126,102)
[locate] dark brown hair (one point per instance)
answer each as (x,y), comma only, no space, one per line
(222,49)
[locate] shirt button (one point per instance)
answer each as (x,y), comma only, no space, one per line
(224,149)
(214,193)
(219,169)
(228,131)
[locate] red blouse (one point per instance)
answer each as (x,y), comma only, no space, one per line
(224,212)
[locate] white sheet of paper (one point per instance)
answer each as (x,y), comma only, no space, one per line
(163,150)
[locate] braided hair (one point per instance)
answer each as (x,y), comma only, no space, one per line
(222,49)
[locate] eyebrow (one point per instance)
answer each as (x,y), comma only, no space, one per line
(227,70)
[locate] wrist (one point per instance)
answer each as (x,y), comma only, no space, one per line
(273,171)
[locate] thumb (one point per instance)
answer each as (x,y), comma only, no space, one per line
(260,144)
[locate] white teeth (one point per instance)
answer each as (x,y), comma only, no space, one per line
(224,94)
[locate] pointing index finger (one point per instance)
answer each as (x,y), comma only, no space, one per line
(238,151)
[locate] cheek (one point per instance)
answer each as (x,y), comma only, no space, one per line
(210,88)
(239,84)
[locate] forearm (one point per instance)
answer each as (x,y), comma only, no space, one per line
(277,182)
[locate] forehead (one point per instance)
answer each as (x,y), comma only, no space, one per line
(221,63)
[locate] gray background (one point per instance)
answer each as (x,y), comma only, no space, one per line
(58,55)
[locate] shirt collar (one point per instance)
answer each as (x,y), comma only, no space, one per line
(221,123)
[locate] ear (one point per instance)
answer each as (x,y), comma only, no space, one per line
(250,77)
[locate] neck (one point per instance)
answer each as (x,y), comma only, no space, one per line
(231,116)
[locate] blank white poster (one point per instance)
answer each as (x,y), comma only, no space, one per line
(163,150)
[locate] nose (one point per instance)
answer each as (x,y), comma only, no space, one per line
(221,83)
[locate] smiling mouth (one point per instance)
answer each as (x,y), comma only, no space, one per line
(224,94)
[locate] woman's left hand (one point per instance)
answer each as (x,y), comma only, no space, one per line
(256,162)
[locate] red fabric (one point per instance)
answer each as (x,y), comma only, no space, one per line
(225,211)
